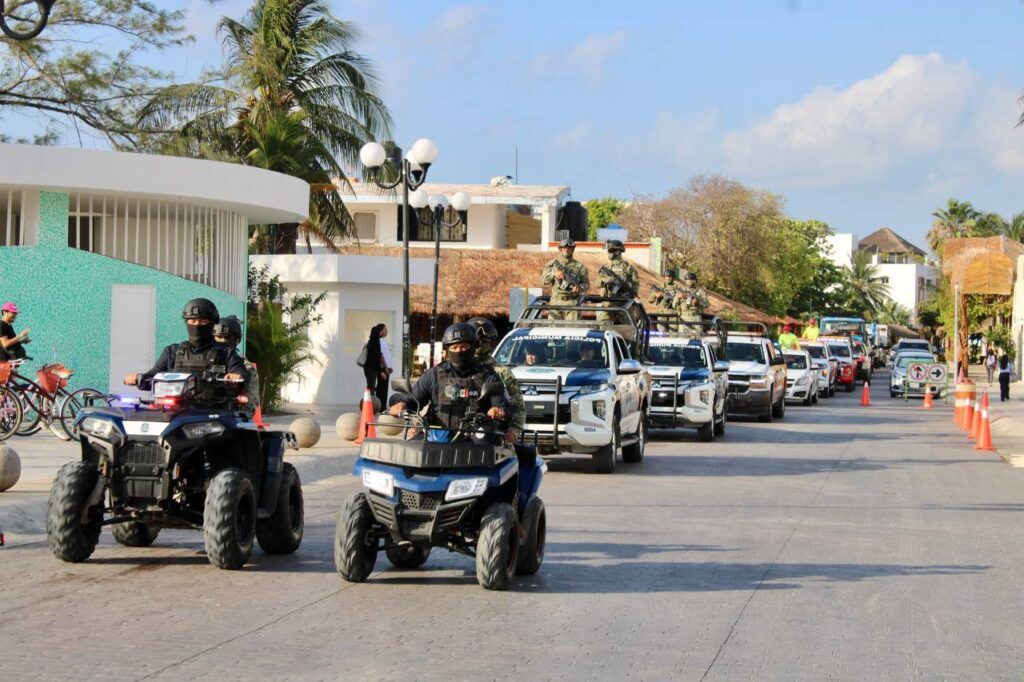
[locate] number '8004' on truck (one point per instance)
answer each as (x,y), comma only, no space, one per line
(585,387)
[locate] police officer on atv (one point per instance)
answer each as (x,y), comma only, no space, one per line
(229,333)
(453,389)
(200,353)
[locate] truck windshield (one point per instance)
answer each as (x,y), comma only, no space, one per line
(843,326)
(745,352)
(816,352)
(688,357)
(840,349)
(796,362)
(552,351)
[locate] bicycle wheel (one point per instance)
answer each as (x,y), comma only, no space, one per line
(71,406)
(33,405)
(10,413)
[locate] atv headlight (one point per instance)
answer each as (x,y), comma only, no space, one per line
(194,431)
(168,389)
(379,482)
(591,388)
(465,487)
(101,428)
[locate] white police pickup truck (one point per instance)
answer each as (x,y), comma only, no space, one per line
(689,385)
(584,391)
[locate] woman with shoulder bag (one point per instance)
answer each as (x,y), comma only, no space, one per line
(1005,370)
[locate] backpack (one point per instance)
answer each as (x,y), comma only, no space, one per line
(363,357)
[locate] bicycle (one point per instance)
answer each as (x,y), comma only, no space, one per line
(46,401)
(10,405)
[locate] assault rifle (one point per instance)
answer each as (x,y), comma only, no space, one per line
(570,280)
(615,286)
(661,290)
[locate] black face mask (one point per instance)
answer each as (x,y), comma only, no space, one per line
(200,334)
(461,361)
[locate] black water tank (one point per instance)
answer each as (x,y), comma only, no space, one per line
(573,217)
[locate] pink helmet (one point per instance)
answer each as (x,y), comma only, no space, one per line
(9,307)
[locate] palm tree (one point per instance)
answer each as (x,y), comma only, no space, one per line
(292,95)
(957,219)
(1015,228)
(867,289)
(891,312)
(988,225)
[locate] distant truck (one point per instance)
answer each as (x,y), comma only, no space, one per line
(689,385)
(583,380)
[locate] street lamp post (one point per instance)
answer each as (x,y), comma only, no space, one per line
(438,206)
(412,172)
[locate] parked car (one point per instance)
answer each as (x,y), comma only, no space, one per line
(827,364)
(801,377)
(843,351)
(901,385)
(912,344)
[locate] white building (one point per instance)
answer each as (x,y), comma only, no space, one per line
(900,264)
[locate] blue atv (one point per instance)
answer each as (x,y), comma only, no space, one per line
(465,491)
(188,458)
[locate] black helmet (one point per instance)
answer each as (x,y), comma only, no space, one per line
(614,246)
(460,332)
(229,327)
(486,332)
(567,243)
(201,307)
(670,273)
(690,276)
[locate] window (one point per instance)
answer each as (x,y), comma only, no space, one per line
(11,202)
(883,280)
(421,226)
(621,350)
(366,226)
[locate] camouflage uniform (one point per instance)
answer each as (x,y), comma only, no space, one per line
(559,296)
(690,302)
(515,396)
(665,302)
(624,271)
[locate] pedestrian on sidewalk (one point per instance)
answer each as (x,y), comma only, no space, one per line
(11,344)
(375,366)
(1005,370)
(990,364)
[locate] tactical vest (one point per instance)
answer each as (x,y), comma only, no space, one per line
(214,359)
(457,396)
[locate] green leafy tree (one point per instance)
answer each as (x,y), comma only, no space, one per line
(276,334)
(891,312)
(868,291)
(292,93)
(957,219)
(88,69)
(1015,228)
(601,213)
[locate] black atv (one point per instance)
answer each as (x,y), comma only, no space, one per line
(187,458)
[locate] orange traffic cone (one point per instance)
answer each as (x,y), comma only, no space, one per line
(366,427)
(972,433)
(865,396)
(257,417)
(927,404)
(967,414)
(984,432)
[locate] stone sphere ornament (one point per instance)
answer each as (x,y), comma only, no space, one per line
(389,425)
(347,426)
(376,404)
(10,467)
(306,430)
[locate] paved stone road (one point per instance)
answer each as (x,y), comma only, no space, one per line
(844,543)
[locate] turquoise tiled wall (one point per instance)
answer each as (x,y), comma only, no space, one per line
(65,297)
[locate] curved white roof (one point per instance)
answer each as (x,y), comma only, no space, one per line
(264,197)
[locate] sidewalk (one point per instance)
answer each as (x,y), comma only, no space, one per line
(1007,419)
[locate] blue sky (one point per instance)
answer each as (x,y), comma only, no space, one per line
(861,114)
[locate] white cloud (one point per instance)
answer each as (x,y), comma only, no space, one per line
(587,58)
(573,139)
(837,136)
(455,25)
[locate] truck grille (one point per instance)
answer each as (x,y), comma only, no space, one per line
(543,411)
(738,385)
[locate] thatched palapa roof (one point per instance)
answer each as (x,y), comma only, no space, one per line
(477,281)
(884,240)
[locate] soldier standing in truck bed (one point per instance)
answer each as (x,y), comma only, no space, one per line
(664,297)
(567,278)
(690,302)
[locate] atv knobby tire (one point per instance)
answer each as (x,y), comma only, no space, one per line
(407,556)
(497,549)
(69,539)
(531,550)
(355,554)
(281,533)
(135,533)
(229,519)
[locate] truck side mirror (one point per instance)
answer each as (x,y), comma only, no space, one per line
(721,366)
(629,367)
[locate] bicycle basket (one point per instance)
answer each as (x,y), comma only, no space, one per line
(51,378)
(5,372)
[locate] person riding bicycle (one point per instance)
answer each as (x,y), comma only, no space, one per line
(229,333)
(452,390)
(11,344)
(199,353)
